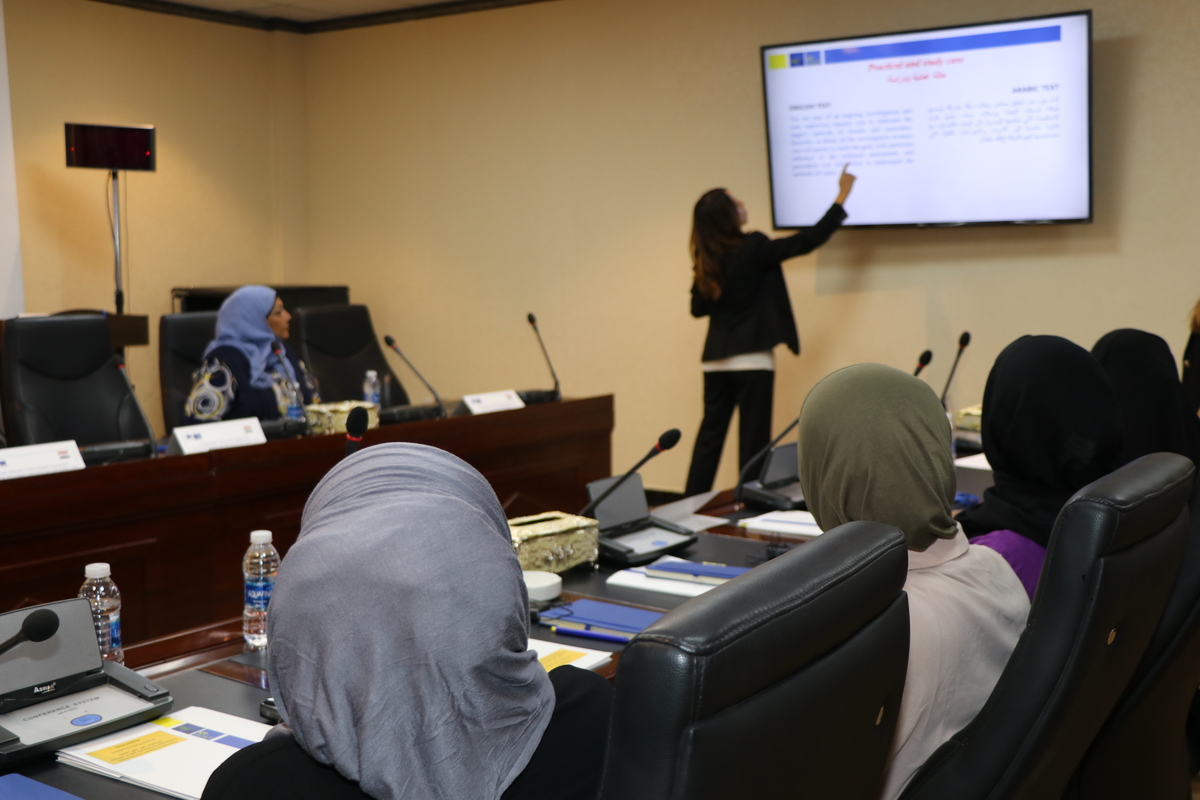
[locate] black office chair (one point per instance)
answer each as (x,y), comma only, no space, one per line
(1112,558)
(61,380)
(1142,750)
(338,344)
(181,342)
(782,683)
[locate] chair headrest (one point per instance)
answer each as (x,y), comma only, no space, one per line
(1130,492)
(337,330)
(65,348)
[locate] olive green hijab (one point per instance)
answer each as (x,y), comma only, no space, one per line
(875,445)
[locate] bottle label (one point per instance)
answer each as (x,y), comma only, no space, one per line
(371,397)
(258,594)
(294,411)
(114,630)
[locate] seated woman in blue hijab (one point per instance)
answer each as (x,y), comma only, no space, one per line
(248,371)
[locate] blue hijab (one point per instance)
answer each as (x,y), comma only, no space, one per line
(242,324)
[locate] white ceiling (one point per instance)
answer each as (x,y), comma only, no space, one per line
(309,10)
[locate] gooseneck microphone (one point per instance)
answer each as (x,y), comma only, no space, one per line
(963,341)
(37,627)
(745,474)
(391,342)
(665,442)
(530,396)
(356,426)
(923,362)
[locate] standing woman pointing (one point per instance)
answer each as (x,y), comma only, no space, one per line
(738,284)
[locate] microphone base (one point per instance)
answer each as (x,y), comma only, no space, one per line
(532,397)
(284,428)
(788,497)
(398,414)
(112,452)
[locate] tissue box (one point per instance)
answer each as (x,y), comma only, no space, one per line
(331,417)
(554,541)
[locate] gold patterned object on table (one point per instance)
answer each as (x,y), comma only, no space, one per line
(331,417)
(970,418)
(554,541)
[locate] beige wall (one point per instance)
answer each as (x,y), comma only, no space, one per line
(462,171)
(226,203)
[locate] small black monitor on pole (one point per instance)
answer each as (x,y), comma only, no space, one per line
(113,148)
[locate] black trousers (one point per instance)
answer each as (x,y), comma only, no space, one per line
(752,393)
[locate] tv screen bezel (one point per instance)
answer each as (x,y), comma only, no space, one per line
(1090,218)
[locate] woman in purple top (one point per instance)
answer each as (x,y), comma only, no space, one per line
(1051,425)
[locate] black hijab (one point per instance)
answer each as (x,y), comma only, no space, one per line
(1051,425)
(1142,372)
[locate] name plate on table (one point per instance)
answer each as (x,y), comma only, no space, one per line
(487,402)
(187,440)
(39,459)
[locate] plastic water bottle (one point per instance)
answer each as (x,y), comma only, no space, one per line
(295,403)
(105,599)
(259,567)
(371,387)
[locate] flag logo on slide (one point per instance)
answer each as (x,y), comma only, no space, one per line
(777,62)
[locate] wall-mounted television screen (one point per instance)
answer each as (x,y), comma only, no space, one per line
(110,146)
(980,124)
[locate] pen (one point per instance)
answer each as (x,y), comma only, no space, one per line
(604,637)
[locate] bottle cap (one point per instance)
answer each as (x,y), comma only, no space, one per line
(260,537)
(372,374)
(98,570)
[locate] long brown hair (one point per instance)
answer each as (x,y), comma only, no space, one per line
(716,230)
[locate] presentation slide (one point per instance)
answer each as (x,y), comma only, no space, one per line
(977,124)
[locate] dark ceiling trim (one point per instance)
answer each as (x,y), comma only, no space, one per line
(322,26)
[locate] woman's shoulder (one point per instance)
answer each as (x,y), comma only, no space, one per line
(229,355)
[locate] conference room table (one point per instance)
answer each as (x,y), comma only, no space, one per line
(210,667)
(175,528)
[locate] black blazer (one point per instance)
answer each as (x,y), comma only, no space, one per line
(753,312)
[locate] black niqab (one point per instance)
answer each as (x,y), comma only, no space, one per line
(1142,372)
(1051,425)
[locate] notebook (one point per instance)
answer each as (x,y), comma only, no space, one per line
(18,787)
(597,616)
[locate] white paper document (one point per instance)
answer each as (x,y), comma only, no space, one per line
(175,754)
(977,461)
(636,578)
(796,523)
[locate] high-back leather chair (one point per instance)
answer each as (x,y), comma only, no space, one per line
(338,344)
(1142,749)
(1110,564)
(61,380)
(181,342)
(782,683)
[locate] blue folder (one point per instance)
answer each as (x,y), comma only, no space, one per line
(600,617)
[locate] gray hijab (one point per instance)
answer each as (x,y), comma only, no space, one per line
(875,445)
(399,631)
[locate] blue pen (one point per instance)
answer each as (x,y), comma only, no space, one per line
(604,637)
